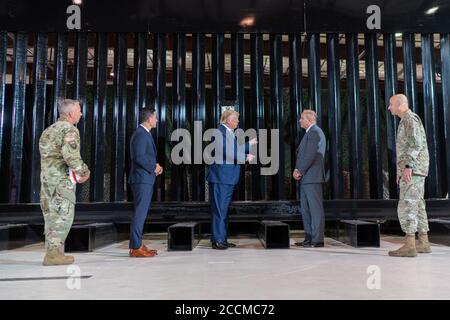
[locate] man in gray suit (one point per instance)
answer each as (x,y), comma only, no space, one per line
(309,170)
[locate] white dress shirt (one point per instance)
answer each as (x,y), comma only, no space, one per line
(228,129)
(309,127)
(145,128)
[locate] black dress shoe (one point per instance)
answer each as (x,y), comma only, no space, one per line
(229,244)
(219,246)
(316,245)
(304,243)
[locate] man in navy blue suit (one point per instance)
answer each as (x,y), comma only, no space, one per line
(223,175)
(143,172)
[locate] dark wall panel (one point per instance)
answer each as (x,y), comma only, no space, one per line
(238,95)
(198,111)
(60,72)
(5,120)
(334,116)
(445,61)
(315,99)
(354,116)
(98,147)
(38,113)
(390,88)
(119,119)
(296,99)
(409,69)
(179,173)
(430,115)
(278,114)
(268,94)
(373,119)
(19,78)
(256,109)
(159,99)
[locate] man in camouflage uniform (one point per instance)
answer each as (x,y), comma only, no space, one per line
(59,146)
(412,168)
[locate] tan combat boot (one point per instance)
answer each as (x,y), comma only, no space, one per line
(423,246)
(54,257)
(408,249)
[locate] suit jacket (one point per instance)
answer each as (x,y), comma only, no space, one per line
(310,156)
(227,169)
(143,157)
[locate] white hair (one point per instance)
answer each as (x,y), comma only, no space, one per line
(67,105)
(310,115)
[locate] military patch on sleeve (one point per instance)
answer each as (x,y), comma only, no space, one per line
(71,139)
(73,145)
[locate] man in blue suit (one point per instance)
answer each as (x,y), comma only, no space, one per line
(309,170)
(143,172)
(223,175)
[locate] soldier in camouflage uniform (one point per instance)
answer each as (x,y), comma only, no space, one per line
(412,168)
(59,146)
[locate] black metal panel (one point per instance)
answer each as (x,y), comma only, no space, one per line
(430,116)
(14,236)
(409,70)
(373,118)
(183,236)
(178,172)
(156,15)
(257,108)
(60,72)
(98,147)
(390,88)
(354,115)
(119,119)
(334,116)
(240,210)
(237,92)
(296,98)
(80,81)
(139,92)
(5,120)
(237,73)
(445,76)
(277,108)
(79,93)
(218,76)
(352,16)
(227,16)
(198,110)
(89,237)
(18,115)
(140,76)
(356,233)
(159,94)
(38,116)
(274,234)
(22,15)
(315,101)
(439,231)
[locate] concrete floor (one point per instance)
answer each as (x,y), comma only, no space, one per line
(246,272)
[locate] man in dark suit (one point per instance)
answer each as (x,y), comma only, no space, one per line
(309,170)
(223,175)
(143,172)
